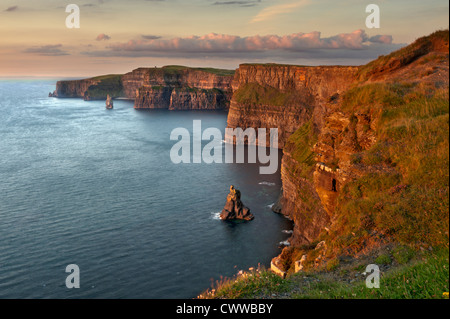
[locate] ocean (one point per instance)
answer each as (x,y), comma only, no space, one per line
(83,185)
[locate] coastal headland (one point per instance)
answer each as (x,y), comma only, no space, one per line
(365,148)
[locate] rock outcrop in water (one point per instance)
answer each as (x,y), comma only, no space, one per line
(234,208)
(109,102)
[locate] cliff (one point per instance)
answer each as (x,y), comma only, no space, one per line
(365,150)
(96,88)
(179,88)
(170,87)
(365,174)
(284,96)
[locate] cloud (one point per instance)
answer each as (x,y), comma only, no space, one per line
(223,43)
(47,50)
(272,11)
(103,36)
(150,37)
(248,3)
(353,47)
(386,39)
(11,9)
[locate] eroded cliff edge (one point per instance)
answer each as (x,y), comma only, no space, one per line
(284,96)
(96,88)
(360,148)
(169,87)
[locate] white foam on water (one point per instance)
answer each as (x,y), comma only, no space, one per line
(267,183)
(285,243)
(271,205)
(215,216)
(287,231)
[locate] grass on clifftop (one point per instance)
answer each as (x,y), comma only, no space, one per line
(251,284)
(178,68)
(109,84)
(436,41)
(426,276)
(256,94)
(398,195)
(407,198)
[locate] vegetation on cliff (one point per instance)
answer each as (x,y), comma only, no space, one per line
(96,88)
(400,192)
(386,139)
(435,42)
(256,94)
(424,276)
(408,202)
(177,70)
(300,146)
(108,84)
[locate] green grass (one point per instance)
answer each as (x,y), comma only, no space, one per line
(424,279)
(220,72)
(383,259)
(109,84)
(256,94)
(403,254)
(107,77)
(300,144)
(375,96)
(252,284)
(408,197)
(174,69)
(404,56)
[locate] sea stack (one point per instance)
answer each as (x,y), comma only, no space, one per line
(109,102)
(234,208)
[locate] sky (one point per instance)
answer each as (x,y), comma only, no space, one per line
(116,36)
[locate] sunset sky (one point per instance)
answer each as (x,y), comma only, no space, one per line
(118,36)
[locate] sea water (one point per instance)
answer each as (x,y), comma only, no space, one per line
(83,185)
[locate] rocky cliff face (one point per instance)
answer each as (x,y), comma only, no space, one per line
(284,97)
(74,88)
(164,97)
(335,156)
(317,163)
(97,88)
(287,98)
(171,87)
(179,88)
(328,119)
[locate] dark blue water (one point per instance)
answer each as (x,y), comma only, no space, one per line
(83,185)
